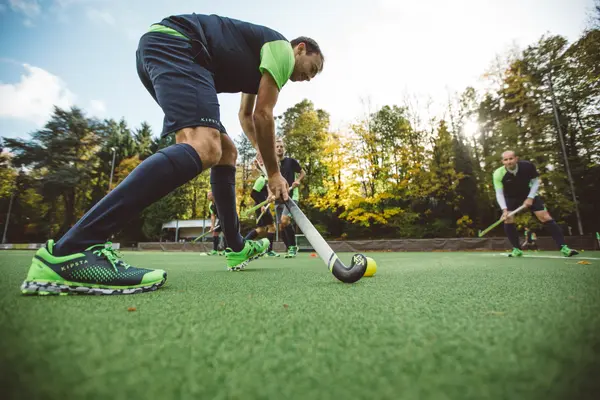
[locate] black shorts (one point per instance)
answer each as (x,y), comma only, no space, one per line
(512,203)
(184,89)
(265,220)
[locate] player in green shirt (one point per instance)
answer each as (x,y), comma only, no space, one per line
(215,226)
(265,225)
(516,184)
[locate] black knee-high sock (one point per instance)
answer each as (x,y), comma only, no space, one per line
(556,232)
(291,235)
(271,237)
(150,181)
(251,235)
(513,235)
(222,182)
(216,243)
(284,238)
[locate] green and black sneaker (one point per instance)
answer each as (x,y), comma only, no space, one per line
(97,270)
(212,253)
(516,253)
(292,252)
(567,252)
(272,254)
(252,250)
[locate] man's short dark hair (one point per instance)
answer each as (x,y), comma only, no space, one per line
(311,46)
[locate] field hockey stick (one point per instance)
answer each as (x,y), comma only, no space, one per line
(206,233)
(495,224)
(358,264)
(256,207)
(262,213)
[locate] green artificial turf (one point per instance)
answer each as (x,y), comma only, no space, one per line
(427,326)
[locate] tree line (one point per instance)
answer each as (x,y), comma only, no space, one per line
(396,173)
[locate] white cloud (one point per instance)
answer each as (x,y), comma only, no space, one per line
(28,23)
(97,108)
(34,97)
(100,16)
(30,8)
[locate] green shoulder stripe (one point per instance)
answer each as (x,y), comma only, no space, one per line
(498,175)
(165,29)
(277,58)
(259,184)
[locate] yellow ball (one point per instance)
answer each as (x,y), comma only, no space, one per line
(371,267)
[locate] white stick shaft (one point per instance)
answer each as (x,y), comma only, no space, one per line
(312,235)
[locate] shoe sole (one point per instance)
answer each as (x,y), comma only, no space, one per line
(57,288)
(241,266)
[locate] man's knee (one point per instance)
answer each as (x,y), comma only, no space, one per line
(229,151)
(271,228)
(543,216)
(206,141)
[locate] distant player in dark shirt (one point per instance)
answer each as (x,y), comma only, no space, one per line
(517,183)
(265,225)
(293,174)
(215,225)
(530,238)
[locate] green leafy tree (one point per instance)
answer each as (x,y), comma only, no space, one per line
(63,152)
(304,130)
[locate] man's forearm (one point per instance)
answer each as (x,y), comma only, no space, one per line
(265,139)
(535,184)
(247,124)
(500,198)
(301,176)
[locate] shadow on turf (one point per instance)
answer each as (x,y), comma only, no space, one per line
(252,269)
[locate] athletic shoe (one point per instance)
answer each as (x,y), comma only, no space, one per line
(516,253)
(292,252)
(567,252)
(212,253)
(252,250)
(96,270)
(272,254)
(222,253)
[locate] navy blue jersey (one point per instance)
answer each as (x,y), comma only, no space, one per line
(239,51)
(289,167)
(515,185)
(213,210)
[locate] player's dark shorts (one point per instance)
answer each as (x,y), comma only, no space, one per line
(184,89)
(266,219)
(513,203)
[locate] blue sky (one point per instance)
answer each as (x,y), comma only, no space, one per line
(82,52)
